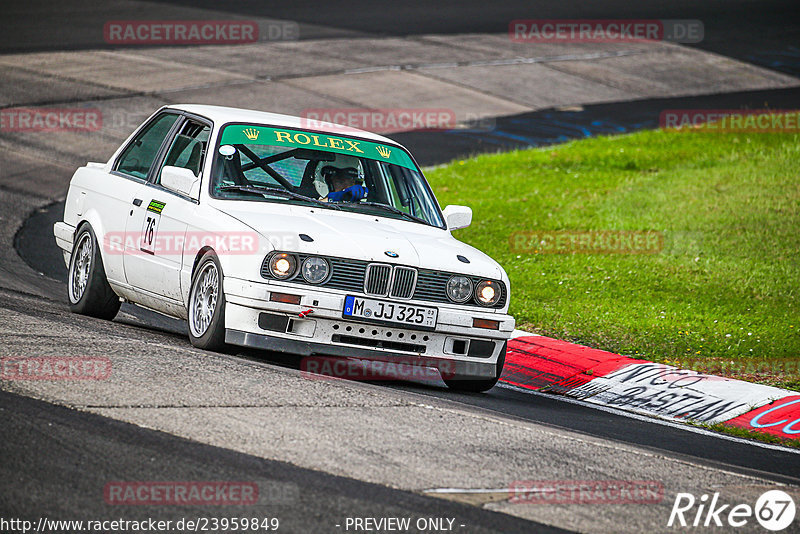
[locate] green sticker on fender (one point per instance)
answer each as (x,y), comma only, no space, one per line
(261,135)
(156,206)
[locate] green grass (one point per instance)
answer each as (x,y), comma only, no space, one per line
(723,291)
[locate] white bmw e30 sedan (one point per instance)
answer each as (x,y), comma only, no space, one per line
(263,232)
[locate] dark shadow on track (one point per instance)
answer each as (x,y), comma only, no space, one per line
(766,33)
(76,454)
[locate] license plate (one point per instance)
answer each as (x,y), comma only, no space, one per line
(390,312)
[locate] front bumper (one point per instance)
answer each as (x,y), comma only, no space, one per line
(448,368)
(455,347)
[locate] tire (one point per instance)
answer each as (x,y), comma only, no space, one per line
(483,384)
(207,305)
(87,287)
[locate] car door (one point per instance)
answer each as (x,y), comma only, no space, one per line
(110,193)
(160,219)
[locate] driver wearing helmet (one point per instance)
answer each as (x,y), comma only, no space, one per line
(341,180)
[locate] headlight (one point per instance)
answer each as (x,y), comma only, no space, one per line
(315,270)
(282,266)
(487,293)
(459,288)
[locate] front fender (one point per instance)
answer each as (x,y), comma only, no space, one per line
(239,248)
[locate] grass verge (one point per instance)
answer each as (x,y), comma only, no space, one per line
(718,293)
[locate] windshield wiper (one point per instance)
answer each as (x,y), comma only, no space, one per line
(393,210)
(259,189)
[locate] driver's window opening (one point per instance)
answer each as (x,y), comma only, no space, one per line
(188,148)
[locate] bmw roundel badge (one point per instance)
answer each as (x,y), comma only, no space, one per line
(391,253)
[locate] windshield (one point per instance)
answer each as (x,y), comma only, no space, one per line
(302,167)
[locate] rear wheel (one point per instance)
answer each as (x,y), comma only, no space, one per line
(207,305)
(87,286)
(483,384)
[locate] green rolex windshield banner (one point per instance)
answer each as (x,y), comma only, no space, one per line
(235,134)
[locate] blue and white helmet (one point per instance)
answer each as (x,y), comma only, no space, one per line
(349,166)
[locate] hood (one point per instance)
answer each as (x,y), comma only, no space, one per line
(362,237)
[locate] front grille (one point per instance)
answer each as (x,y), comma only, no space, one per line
(345,274)
(432,285)
(382,279)
(403,283)
(378,277)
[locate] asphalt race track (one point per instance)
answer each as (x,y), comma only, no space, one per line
(83,452)
(766,33)
(322,451)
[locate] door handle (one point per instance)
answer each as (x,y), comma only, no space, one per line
(137,201)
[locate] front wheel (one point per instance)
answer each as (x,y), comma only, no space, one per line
(87,286)
(207,305)
(483,384)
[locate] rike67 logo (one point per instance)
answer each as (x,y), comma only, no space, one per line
(774,510)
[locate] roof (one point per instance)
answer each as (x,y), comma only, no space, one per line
(220,114)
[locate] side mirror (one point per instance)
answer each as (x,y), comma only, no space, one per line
(181,181)
(457,217)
